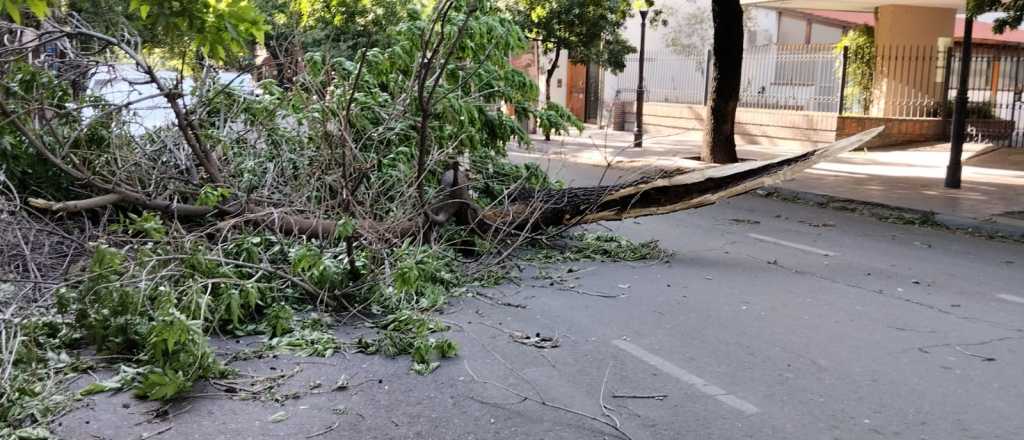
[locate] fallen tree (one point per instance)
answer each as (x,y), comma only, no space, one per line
(373,188)
(202,181)
(663,193)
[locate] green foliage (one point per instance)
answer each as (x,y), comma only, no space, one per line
(589,31)
(13,8)
(503,178)
(859,43)
(20,163)
(212,196)
(408,332)
(148,225)
(220,29)
(556,119)
(178,354)
(33,393)
(307,341)
(278,320)
(599,246)
(341,27)
(422,278)
(1013,12)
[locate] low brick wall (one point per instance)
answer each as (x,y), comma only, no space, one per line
(897,130)
(809,129)
(753,126)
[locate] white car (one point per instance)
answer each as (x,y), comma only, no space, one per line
(123,83)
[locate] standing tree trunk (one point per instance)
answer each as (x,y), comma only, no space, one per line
(719,140)
(551,74)
(547,82)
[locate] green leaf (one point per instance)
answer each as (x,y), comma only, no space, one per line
(278,417)
(345,228)
(33,433)
(98,387)
(143,11)
(13,11)
(39,7)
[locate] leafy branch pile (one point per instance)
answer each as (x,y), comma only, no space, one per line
(246,212)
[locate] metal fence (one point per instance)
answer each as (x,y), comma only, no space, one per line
(994,89)
(909,81)
(906,81)
(784,77)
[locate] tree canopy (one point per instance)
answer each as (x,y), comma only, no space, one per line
(589,30)
(218,29)
(1014,10)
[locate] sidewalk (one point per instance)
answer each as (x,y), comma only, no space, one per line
(908,177)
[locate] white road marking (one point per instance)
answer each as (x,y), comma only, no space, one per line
(685,376)
(792,245)
(1011,298)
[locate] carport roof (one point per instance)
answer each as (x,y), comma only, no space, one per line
(853,5)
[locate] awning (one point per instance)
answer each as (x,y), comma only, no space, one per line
(853,5)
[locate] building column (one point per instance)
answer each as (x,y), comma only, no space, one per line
(908,69)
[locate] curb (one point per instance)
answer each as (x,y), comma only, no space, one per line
(919,217)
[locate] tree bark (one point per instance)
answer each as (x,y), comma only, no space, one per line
(719,138)
(665,193)
(551,74)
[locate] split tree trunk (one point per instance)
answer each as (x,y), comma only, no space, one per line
(719,139)
(659,194)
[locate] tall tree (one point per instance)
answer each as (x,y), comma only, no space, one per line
(719,139)
(1014,10)
(218,30)
(588,30)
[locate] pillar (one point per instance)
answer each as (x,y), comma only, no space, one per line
(908,79)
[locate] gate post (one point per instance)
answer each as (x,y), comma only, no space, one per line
(842,80)
(945,83)
(707,75)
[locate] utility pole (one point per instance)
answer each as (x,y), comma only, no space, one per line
(638,134)
(956,144)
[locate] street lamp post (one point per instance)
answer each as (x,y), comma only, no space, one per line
(638,134)
(956,144)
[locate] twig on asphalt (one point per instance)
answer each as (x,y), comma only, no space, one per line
(640,396)
(145,436)
(540,397)
(325,431)
(982,357)
(546,403)
(590,293)
(605,408)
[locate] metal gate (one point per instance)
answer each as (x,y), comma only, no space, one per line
(592,108)
(995,86)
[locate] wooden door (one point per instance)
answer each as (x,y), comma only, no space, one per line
(576,94)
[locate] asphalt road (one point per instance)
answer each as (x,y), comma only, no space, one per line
(771,321)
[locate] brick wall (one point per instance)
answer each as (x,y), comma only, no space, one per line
(897,130)
(753,126)
(775,127)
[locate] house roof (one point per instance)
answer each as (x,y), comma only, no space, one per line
(982,32)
